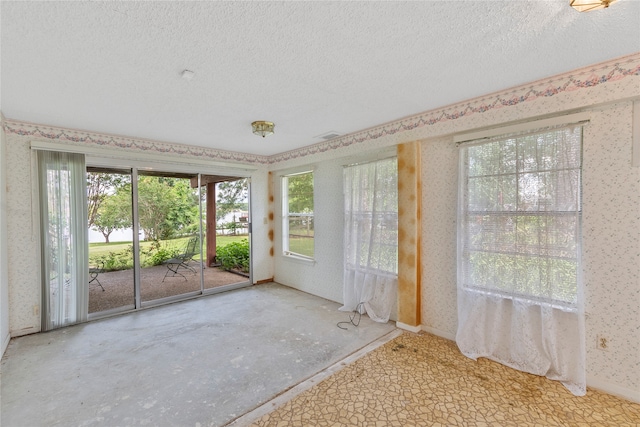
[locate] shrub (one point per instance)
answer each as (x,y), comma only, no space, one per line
(123,260)
(114,261)
(234,256)
(158,253)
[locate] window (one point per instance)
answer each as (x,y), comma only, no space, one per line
(297,214)
(371,217)
(520,212)
(371,238)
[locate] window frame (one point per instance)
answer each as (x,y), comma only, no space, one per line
(287,215)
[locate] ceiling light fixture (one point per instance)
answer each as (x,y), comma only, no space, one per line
(589,5)
(262,128)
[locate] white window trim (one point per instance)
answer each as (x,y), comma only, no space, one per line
(145,161)
(523,127)
(285,217)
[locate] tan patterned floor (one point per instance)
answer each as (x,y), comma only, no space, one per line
(423,380)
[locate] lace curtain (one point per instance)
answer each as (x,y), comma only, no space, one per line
(63,216)
(520,298)
(371,238)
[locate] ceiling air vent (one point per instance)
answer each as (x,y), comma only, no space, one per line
(328,135)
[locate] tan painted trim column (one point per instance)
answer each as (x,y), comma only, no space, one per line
(409,234)
(271,214)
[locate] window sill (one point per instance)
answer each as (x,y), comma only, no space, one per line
(298,258)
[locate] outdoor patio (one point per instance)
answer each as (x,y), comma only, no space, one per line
(118,285)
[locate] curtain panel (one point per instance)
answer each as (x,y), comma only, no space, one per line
(520,297)
(371,238)
(63,213)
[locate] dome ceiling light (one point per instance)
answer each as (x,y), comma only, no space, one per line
(589,5)
(262,128)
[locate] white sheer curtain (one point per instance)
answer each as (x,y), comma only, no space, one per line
(63,215)
(520,299)
(371,238)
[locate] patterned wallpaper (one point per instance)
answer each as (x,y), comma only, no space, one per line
(23,232)
(84,138)
(439,207)
(611,245)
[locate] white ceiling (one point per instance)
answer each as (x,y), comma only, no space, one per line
(311,67)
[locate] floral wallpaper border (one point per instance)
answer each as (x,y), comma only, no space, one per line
(584,78)
(77,137)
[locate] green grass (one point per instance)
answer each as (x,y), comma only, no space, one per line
(101,249)
(301,245)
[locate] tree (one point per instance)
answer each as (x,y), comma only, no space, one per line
(231,196)
(99,186)
(166,206)
(114,213)
(300,193)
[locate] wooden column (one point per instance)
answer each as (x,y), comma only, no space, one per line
(409,233)
(211,224)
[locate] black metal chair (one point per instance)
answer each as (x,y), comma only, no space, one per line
(93,274)
(182,260)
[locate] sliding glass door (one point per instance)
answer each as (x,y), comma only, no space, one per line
(157,237)
(169,230)
(226,231)
(110,220)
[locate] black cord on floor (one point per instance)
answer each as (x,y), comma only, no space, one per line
(356,313)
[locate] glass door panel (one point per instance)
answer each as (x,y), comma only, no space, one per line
(169,232)
(111,264)
(226,227)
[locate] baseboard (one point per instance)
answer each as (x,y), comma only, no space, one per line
(614,389)
(262,282)
(5,343)
(439,333)
(409,328)
(24,331)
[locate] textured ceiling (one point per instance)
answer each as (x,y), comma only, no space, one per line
(311,67)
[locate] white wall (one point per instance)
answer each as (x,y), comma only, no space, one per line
(323,276)
(4,276)
(262,264)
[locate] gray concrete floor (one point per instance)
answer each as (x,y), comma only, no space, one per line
(202,362)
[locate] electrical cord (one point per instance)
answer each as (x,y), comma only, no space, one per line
(357,312)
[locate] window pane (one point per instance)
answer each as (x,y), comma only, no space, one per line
(301,193)
(520,215)
(301,235)
(298,229)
